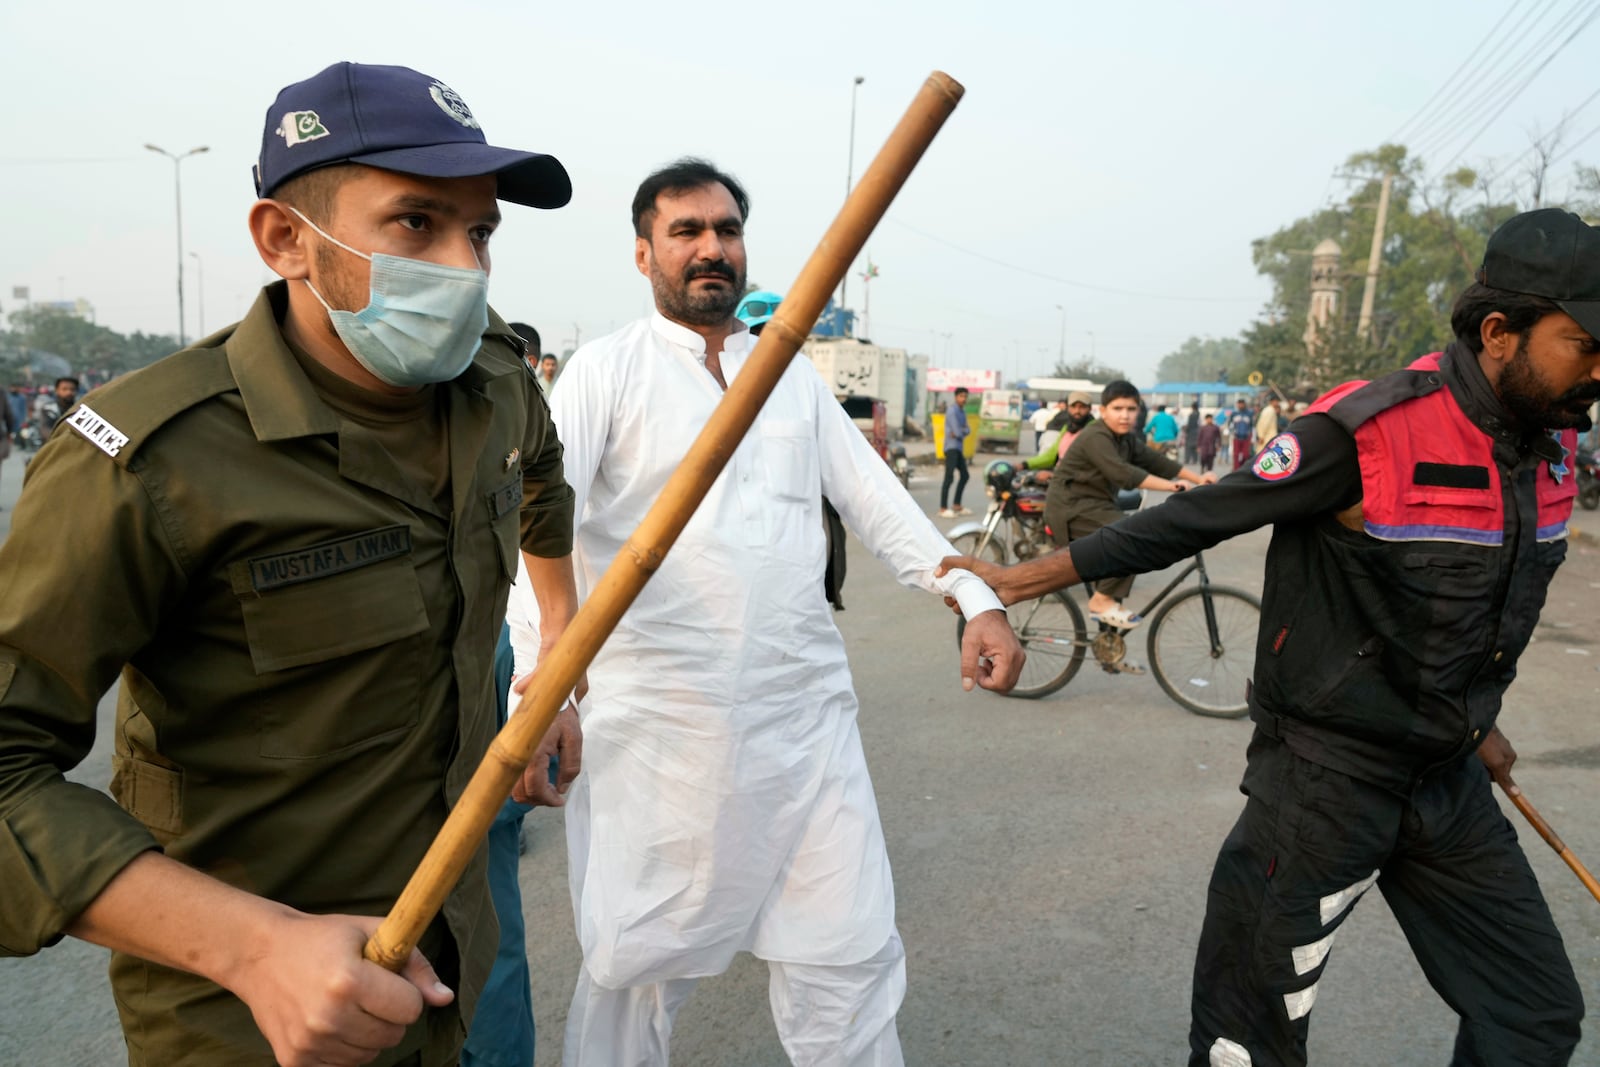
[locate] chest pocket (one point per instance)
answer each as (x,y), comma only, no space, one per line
(335,633)
(505,516)
(789,460)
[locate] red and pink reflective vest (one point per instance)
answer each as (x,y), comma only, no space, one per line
(1389,641)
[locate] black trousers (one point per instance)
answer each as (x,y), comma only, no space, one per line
(1310,842)
(954,460)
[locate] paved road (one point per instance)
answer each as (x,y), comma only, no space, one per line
(1050,860)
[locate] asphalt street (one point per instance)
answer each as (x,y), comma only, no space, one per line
(1050,859)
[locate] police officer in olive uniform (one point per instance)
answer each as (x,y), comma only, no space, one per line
(294,543)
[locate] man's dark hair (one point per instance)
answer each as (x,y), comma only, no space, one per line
(1478,301)
(313,191)
(1118,390)
(75,383)
(680,177)
(528,334)
(960,391)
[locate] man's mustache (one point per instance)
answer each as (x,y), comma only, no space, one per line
(1588,394)
(720,269)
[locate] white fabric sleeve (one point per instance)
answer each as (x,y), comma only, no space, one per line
(581,407)
(522,615)
(874,504)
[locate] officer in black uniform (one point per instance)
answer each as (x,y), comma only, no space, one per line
(1417,522)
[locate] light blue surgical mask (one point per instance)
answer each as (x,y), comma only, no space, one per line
(423,322)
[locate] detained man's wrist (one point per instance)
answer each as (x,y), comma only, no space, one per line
(974,597)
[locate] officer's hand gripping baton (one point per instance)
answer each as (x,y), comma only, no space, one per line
(1549,834)
(559,672)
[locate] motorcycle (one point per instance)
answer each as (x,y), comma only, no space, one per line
(1013,528)
(1588,480)
(901,464)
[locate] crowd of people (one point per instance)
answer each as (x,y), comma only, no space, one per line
(330,545)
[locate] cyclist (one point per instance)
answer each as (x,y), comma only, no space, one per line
(1417,521)
(1108,456)
(1162,431)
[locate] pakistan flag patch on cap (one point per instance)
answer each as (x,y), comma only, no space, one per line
(298,127)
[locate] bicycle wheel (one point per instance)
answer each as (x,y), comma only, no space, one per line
(1205,678)
(1051,633)
(967,545)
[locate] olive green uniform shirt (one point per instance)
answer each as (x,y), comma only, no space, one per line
(304,636)
(1096,466)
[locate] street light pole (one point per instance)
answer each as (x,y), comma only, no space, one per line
(177,195)
(849,183)
(200,279)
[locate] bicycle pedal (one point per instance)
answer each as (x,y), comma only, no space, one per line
(1126,667)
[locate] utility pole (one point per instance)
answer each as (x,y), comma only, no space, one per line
(177,196)
(1370,295)
(200,278)
(849,183)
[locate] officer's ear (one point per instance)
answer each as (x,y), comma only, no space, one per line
(281,239)
(1499,343)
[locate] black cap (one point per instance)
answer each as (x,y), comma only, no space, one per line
(397,119)
(1549,253)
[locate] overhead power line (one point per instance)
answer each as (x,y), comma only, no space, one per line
(1546,143)
(1394,138)
(1476,87)
(1574,146)
(1594,11)
(1484,95)
(1068,281)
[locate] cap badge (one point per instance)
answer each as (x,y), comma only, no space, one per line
(298,127)
(512,457)
(452,105)
(1559,469)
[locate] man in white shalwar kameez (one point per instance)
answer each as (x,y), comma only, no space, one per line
(725,804)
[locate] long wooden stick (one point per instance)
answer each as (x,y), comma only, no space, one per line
(1550,836)
(560,671)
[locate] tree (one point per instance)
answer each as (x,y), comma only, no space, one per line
(1087,367)
(1202,360)
(1432,243)
(83,344)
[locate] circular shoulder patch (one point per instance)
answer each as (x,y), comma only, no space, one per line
(1279,459)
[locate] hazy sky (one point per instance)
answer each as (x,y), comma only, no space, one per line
(1135,147)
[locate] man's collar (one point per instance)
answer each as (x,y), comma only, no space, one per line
(679,334)
(1475,395)
(278,397)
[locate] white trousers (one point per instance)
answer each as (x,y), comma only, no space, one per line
(826,1016)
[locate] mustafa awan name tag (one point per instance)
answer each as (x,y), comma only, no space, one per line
(329,557)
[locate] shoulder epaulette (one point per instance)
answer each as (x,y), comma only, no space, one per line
(121,415)
(1354,404)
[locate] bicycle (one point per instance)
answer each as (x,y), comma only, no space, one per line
(1201,642)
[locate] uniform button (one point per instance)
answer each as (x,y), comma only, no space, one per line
(1497,656)
(1475,734)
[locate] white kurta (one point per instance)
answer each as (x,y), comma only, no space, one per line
(724,803)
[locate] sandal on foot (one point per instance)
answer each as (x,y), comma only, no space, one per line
(1119,618)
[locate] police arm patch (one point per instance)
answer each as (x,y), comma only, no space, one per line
(105,436)
(1279,459)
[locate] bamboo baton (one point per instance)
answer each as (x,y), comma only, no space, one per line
(560,671)
(1546,831)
